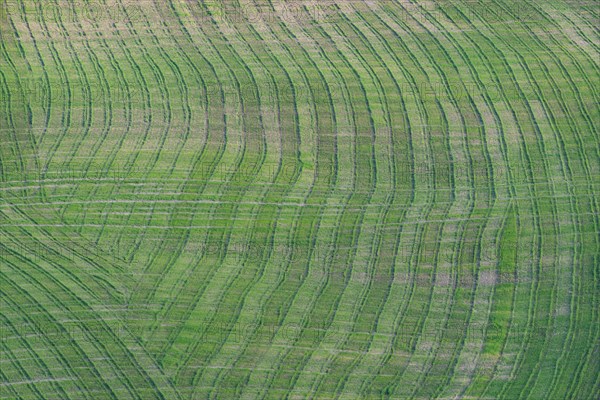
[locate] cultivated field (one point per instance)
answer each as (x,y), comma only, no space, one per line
(269,199)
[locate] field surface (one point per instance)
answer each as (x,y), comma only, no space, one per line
(267,199)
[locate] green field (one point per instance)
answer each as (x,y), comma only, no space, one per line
(277,199)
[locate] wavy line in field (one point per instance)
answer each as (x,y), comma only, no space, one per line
(213,213)
(71,286)
(185,106)
(504,156)
(362,302)
(336,173)
(567,168)
(194,167)
(259,219)
(32,280)
(434,252)
(584,160)
(507,164)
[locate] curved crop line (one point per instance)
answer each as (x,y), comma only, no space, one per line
(225,125)
(80,253)
(5,378)
(242,156)
(65,84)
(186,183)
(9,117)
(23,373)
(489,170)
(13,125)
(512,170)
(60,353)
(218,157)
(143,87)
(424,117)
(107,109)
(86,122)
(385,212)
(28,113)
(398,63)
(325,288)
(433,201)
(207,121)
(166,113)
(325,284)
(497,119)
(46,249)
(355,227)
(108,103)
(536,212)
(9,282)
(585,163)
(577,26)
(439,232)
(193,167)
(38,359)
(385,209)
(76,281)
(265,195)
(99,73)
(80,284)
(262,144)
(55,296)
(565,163)
(316,120)
(4,111)
(552,119)
(111,157)
(25,103)
(182,86)
(513,194)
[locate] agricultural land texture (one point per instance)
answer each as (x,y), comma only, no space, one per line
(277,199)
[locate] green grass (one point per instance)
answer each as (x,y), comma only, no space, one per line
(265,199)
